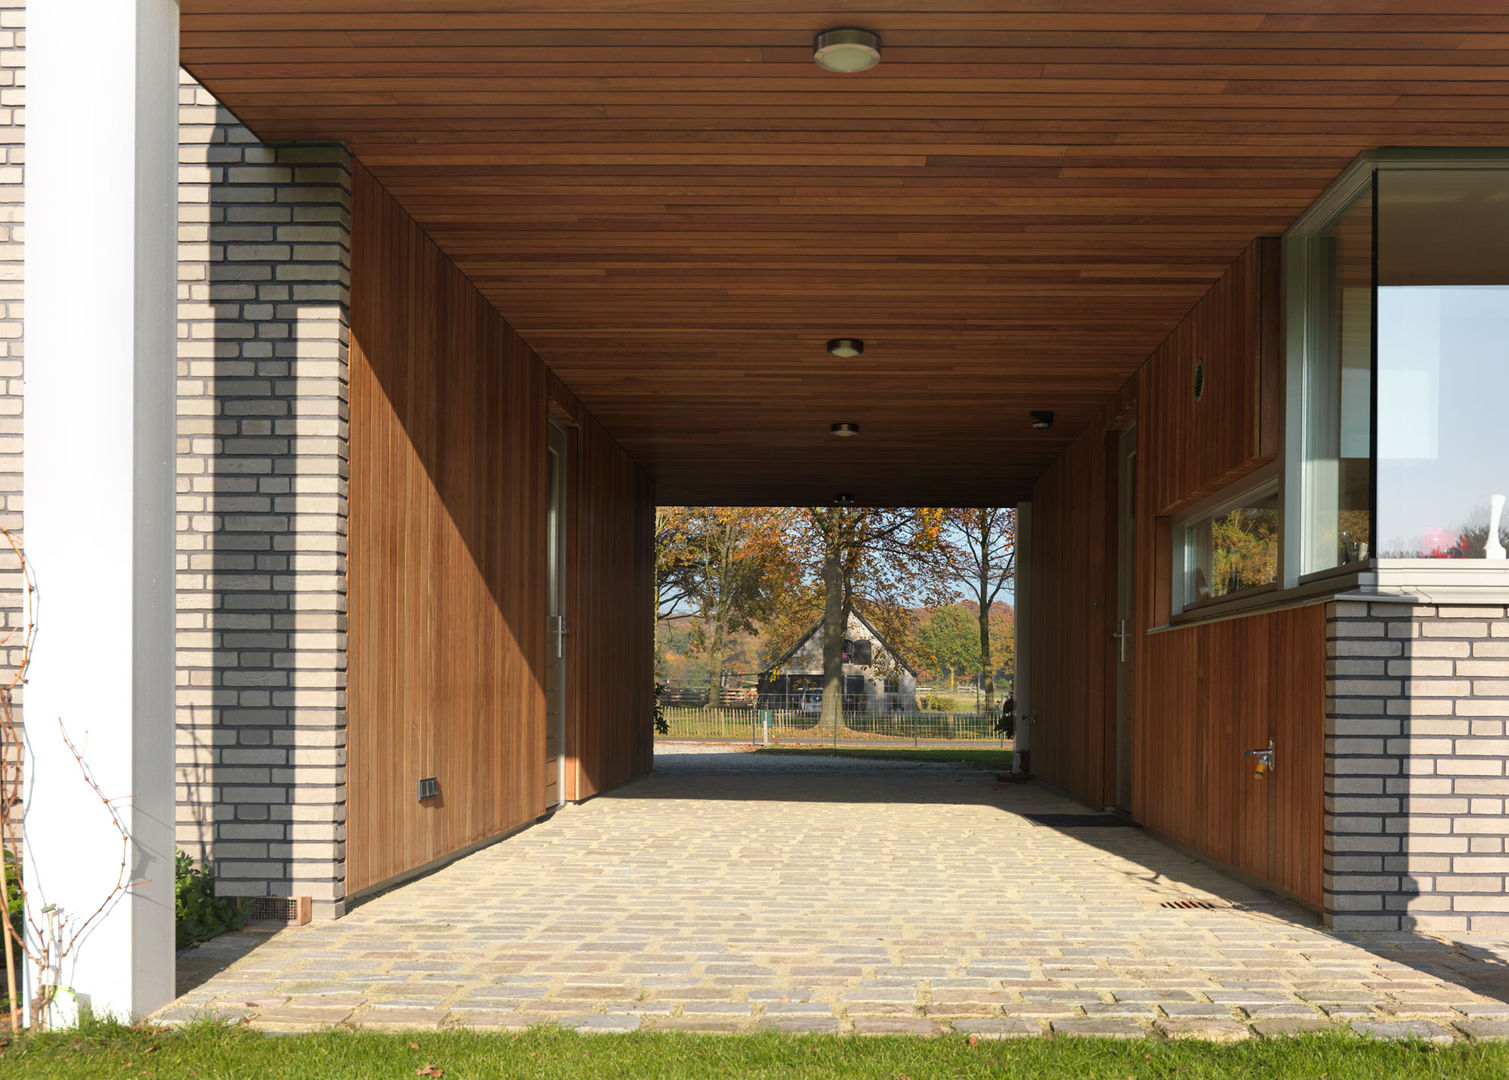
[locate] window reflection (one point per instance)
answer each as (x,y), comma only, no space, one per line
(1443,396)
(1338,391)
(1443,363)
(1233,551)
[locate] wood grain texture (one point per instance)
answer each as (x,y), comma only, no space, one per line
(1073,604)
(1206,693)
(611,564)
(677,208)
(446,578)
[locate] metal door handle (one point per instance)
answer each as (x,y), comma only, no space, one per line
(1121,636)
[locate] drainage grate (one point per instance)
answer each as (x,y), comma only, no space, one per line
(1196,905)
(293,910)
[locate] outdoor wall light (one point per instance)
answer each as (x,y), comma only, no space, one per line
(846,347)
(845,431)
(846,50)
(1042,419)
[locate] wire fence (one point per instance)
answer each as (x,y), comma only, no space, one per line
(793,726)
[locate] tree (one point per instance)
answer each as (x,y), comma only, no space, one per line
(980,554)
(676,560)
(948,640)
(742,561)
(865,559)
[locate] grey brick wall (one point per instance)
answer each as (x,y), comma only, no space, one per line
(264,270)
(1416,747)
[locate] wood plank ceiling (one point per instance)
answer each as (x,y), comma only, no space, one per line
(677,208)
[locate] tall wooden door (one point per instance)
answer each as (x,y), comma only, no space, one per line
(556,629)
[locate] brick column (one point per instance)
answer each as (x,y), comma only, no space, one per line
(264,270)
(1417,701)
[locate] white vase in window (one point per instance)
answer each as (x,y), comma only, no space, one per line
(1494,549)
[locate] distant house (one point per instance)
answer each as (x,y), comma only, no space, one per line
(876,678)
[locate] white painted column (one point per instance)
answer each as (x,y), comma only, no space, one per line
(101,200)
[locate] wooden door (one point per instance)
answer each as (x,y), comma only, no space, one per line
(556,629)
(1126,615)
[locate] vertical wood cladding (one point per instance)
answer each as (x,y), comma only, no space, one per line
(610,560)
(1203,693)
(447,558)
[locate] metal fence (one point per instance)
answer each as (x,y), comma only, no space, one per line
(793,727)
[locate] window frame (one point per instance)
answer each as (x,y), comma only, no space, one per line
(1258,485)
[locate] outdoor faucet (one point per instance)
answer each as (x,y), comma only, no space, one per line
(1265,759)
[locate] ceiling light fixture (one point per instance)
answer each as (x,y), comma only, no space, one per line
(843,498)
(846,347)
(1042,419)
(845,431)
(846,50)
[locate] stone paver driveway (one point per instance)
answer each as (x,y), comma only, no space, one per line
(735,891)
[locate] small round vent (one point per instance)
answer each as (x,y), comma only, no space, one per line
(1199,379)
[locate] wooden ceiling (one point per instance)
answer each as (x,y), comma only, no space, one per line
(677,208)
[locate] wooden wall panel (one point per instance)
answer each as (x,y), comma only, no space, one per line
(1204,693)
(1072,610)
(447,555)
(1191,447)
(1210,692)
(611,560)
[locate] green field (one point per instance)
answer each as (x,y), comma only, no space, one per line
(212,1052)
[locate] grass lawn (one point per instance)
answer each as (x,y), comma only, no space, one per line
(212,1052)
(1000,760)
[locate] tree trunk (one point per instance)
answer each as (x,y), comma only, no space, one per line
(715,666)
(832,715)
(987,668)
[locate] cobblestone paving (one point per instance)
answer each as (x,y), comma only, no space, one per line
(734,892)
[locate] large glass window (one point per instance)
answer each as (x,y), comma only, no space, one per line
(1443,363)
(1337,467)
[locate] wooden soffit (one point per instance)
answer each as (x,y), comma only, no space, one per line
(677,208)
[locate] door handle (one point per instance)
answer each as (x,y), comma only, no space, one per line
(1266,759)
(1121,636)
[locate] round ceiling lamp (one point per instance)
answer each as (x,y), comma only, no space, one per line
(1042,419)
(845,431)
(846,50)
(846,347)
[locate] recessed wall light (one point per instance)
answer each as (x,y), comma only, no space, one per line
(846,347)
(1042,419)
(846,50)
(845,431)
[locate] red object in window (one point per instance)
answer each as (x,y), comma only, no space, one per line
(1442,544)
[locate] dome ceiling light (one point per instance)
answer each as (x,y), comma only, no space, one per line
(846,347)
(846,50)
(845,431)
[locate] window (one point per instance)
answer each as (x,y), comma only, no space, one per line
(1443,363)
(1336,474)
(1232,549)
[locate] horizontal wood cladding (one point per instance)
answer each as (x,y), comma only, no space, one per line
(1194,447)
(1213,692)
(677,208)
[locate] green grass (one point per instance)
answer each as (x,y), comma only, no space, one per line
(212,1052)
(1000,760)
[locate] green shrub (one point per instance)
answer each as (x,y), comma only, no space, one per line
(201,914)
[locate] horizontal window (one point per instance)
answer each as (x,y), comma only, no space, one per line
(1232,550)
